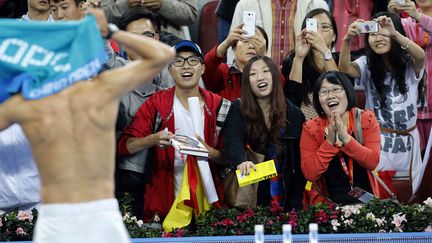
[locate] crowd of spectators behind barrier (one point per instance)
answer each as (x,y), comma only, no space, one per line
(279,89)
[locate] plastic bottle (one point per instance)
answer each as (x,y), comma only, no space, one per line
(313,233)
(286,233)
(259,233)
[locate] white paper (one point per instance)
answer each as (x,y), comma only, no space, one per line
(195,110)
(204,168)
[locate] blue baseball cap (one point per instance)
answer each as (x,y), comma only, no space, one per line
(186,45)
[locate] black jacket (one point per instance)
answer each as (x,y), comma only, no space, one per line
(234,147)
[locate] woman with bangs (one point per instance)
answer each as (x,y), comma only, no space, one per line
(390,73)
(340,148)
(311,57)
(268,124)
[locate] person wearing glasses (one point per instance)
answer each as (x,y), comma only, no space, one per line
(171,108)
(332,158)
(311,57)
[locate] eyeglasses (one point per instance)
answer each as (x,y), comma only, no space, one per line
(326,92)
(191,60)
(326,27)
(149,34)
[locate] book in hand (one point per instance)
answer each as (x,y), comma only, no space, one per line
(189,145)
(264,170)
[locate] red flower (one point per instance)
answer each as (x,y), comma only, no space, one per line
(334,214)
(249,212)
(226,222)
(241,218)
(275,207)
(321,216)
(180,232)
(167,235)
(270,222)
(293,218)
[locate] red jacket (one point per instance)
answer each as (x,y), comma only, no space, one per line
(159,195)
(219,79)
(316,153)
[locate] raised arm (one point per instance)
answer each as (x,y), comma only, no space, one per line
(4,121)
(302,48)
(415,51)
(153,57)
(345,64)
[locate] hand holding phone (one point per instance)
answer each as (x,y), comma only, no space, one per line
(249,20)
(368,26)
(312,25)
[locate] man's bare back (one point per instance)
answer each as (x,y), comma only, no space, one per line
(72,139)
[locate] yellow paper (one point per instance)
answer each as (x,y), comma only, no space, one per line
(265,170)
(308,186)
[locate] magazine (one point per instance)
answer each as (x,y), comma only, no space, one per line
(189,145)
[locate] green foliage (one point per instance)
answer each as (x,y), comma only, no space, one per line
(375,216)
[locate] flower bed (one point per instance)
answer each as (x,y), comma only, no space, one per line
(373,217)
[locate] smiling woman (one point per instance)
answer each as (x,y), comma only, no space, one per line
(266,123)
(335,155)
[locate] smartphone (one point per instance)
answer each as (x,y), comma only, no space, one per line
(249,21)
(312,25)
(368,27)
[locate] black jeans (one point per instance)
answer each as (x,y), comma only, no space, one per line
(133,183)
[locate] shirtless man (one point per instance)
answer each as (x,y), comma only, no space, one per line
(71,134)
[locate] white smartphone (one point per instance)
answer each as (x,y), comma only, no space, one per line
(249,21)
(312,25)
(368,27)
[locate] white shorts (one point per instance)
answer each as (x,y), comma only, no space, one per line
(96,221)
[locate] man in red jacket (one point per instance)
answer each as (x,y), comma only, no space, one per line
(171,108)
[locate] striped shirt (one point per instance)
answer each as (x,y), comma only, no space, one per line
(283,29)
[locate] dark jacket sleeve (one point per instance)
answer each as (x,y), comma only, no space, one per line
(293,90)
(294,180)
(234,135)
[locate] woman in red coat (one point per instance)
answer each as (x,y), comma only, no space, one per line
(331,156)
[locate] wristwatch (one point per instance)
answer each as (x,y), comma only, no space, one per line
(112,28)
(327,55)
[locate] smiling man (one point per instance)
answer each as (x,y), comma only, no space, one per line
(171,108)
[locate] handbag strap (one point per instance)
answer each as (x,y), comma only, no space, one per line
(359,138)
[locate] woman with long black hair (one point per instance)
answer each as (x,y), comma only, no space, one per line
(390,72)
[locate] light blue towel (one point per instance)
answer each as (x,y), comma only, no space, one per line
(40,58)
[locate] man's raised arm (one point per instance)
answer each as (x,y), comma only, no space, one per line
(5,120)
(153,56)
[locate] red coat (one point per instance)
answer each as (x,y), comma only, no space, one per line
(316,153)
(159,195)
(218,77)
